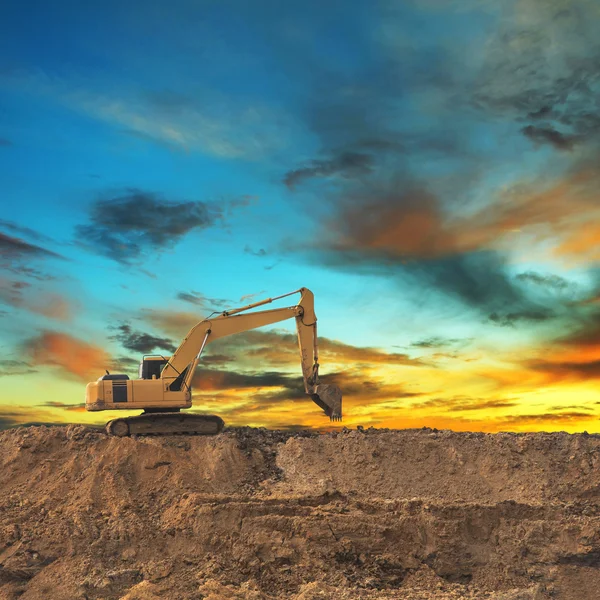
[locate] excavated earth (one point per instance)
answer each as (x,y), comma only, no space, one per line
(258,514)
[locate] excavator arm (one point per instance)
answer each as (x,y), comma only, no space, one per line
(179,371)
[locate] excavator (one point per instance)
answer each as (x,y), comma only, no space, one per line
(164,384)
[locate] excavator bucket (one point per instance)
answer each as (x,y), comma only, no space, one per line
(329,398)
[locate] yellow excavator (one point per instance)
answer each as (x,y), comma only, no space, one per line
(164,383)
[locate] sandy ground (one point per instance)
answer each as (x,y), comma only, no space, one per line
(251,513)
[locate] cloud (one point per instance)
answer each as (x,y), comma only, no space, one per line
(436,342)
(407,235)
(4,142)
(207,303)
(245,392)
(7,421)
(125,364)
(11,292)
(26,231)
(276,348)
(585,331)
(32,273)
(16,248)
(405,206)
(137,341)
(568,370)
(574,354)
(512,318)
(21,294)
(554,418)
(19,256)
(214,379)
(346,164)
(15,367)
(541,64)
(260,252)
(549,281)
(73,357)
(197,120)
(458,404)
(127,226)
(547,135)
(403,222)
(249,298)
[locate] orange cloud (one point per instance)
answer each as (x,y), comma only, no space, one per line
(409,224)
(413,224)
(72,356)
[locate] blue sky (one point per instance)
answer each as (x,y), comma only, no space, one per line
(429,169)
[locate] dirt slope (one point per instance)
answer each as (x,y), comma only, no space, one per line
(259,514)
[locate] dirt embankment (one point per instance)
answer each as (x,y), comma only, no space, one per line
(258,514)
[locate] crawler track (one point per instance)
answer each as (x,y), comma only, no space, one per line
(174,423)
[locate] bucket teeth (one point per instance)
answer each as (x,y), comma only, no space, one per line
(329,398)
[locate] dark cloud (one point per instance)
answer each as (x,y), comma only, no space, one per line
(192,298)
(512,318)
(551,281)
(15,367)
(124,364)
(11,292)
(259,252)
(15,248)
(127,226)
(214,379)
(30,272)
(436,342)
(137,341)
(216,359)
(554,417)
(201,300)
(273,387)
(548,135)
(579,370)
(585,330)
(453,404)
(520,77)
(5,142)
(7,421)
(477,279)
(346,164)
(26,231)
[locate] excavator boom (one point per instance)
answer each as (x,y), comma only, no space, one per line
(170,390)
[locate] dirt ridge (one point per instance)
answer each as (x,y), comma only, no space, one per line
(262,514)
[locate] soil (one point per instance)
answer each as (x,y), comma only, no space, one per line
(258,514)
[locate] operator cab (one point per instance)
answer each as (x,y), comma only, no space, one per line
(152,366)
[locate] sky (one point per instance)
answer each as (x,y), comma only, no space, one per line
(429,169)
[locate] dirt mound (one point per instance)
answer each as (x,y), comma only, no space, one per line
(259,514)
